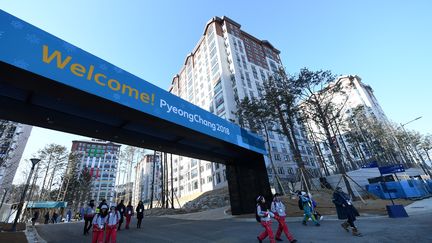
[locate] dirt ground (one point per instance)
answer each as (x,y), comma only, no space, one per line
(371,205)
(326,207)
(13,237)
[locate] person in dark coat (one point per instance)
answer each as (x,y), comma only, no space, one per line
(54,217)
(46,218)
(140,213)
(345,210)
(103,202)
(121,209)
(35,217)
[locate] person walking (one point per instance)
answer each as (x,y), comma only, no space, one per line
(129,214)
(103,202)
(111,225)
(88,213)
(278,209)
(263,216)
(140,213)
(35,217)
(46,218)
(121,209)
(69,215)
(54,217)
(306,204)
(98,222)
(81,212)
(345,210)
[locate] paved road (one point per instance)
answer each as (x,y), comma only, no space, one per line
(416,228)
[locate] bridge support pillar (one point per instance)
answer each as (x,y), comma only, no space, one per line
(245,183)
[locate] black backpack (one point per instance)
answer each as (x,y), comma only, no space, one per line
(300,203)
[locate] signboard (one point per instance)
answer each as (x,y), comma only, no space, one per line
(27,47)
(372,164)
(391,169)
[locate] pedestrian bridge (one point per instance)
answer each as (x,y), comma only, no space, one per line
(47,82)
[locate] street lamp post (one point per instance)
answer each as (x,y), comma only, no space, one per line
(423,163)
(21,202)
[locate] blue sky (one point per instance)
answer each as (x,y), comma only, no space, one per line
(387,43)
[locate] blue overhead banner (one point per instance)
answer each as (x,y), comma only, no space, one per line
(391,169)
(32,49)
(46,204)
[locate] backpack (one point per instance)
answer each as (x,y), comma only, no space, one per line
(258,218)
(300,204)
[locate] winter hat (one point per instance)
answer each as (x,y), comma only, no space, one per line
(259,198)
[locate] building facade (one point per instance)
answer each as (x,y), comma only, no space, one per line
(13,139)
(100,158)
(354,96)
(227,65)
(144,179)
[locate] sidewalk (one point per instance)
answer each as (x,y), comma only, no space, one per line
(32,235)
(212,214)
(419,207)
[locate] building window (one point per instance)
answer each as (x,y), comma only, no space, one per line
(217,87)
(194,173)
(281,170)
(290,171)
(218,178)
(254,72)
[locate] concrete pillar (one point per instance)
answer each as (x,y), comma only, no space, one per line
(246,181)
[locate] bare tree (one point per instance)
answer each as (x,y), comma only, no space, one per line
(52,157)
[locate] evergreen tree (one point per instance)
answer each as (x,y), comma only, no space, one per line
(318,90)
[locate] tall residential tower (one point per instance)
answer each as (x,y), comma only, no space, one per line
(227,65)
(100,158)
(13,139)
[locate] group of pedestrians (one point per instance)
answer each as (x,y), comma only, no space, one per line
(264,214)
(106,221)
(276,211)
(53,219)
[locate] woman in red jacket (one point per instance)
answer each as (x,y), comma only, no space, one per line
(112,221)
(278,208)
(263,216)
(99,221)
(129,213)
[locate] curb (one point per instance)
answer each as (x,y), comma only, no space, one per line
(32,235)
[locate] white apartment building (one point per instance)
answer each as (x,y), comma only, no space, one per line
(13,139)
(355,94)
(100,158)
(144,179)
(227,65)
